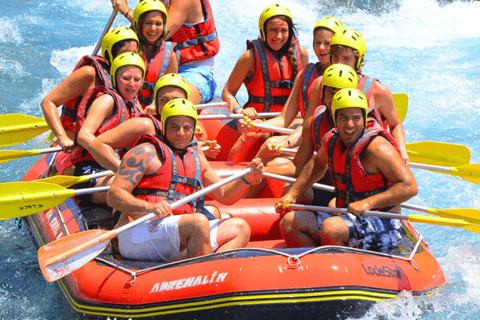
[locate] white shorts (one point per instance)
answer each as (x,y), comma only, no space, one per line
(158,240)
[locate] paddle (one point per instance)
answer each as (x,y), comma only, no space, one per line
(431,153)
(67,181)
(61,257)
(271,128)
(386,215)
(470,214)
(105,30)
(401,104)
(469,172)
(236,116)
(8,155)
(18,128)
(18,199)
(438,153)
(210,105)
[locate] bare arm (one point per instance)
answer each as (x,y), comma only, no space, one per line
(139,161)
(172,64)
(123,136)
(102,108)
(244,67)
(383,102)
(235,190)
(183,11)
(304,56)
(76,84)
(381,156)
(122,7)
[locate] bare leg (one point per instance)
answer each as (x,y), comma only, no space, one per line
(195,96)
(335,232)
(232,234)
(101,197)
(300,229)
(194,231)
(247,146)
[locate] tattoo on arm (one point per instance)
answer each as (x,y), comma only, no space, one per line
(135,163)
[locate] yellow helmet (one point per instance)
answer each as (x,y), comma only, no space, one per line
(349,98)
(172,79)
(147,6)
(126,59)
(269,12)
(330,23)
(113,37)
(353,39)
(178,107)
(340,76)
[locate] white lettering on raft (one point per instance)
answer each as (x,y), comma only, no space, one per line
(189,282)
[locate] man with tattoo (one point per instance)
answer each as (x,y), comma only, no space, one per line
(159,170)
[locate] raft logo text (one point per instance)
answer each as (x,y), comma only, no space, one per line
(189,282)
(382,271)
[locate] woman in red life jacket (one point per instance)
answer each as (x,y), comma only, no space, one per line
(368,172)
(299,99)
(267,69)
(103,147)
(90,71)
(103,109)
(150,24)
(192,28)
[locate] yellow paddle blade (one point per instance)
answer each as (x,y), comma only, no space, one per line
(469,215)
(401,103)
(18,199)
(444,222)
(469,172)
(19,128)
(64,181)
(8,155)
(438,153)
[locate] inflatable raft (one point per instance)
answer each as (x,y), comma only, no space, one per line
(265,280)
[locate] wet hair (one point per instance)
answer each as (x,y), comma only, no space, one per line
(143,42)
(288,48)
(338,49)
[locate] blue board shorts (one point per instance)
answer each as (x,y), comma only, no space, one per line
(373,233)
(202,78)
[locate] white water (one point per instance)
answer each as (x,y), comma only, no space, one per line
(419,47)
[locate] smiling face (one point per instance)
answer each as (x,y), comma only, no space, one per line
(129,81)
(350,124)
(179,131)
(321,45)
(152,28)
(277,33)
(166,94)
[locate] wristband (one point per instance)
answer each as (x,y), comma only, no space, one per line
(245,181)
(289,144)
(237,108)
(126,13)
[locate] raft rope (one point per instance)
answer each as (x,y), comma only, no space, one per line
(293,260)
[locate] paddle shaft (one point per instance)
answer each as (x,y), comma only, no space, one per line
(210,105)
(113,233)
(271,128)
(107,27)
(236,116)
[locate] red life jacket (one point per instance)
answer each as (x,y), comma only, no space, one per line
(156,67)
(351,180)
(178,177)
(198,41)
(69,110)
(270,86)
(122,112)
(322,123)
(310,74)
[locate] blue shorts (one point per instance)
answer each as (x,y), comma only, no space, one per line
(202,78)
(372,233)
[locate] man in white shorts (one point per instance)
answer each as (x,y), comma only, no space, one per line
(159,170)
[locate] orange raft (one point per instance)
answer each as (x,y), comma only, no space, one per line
(265,280)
